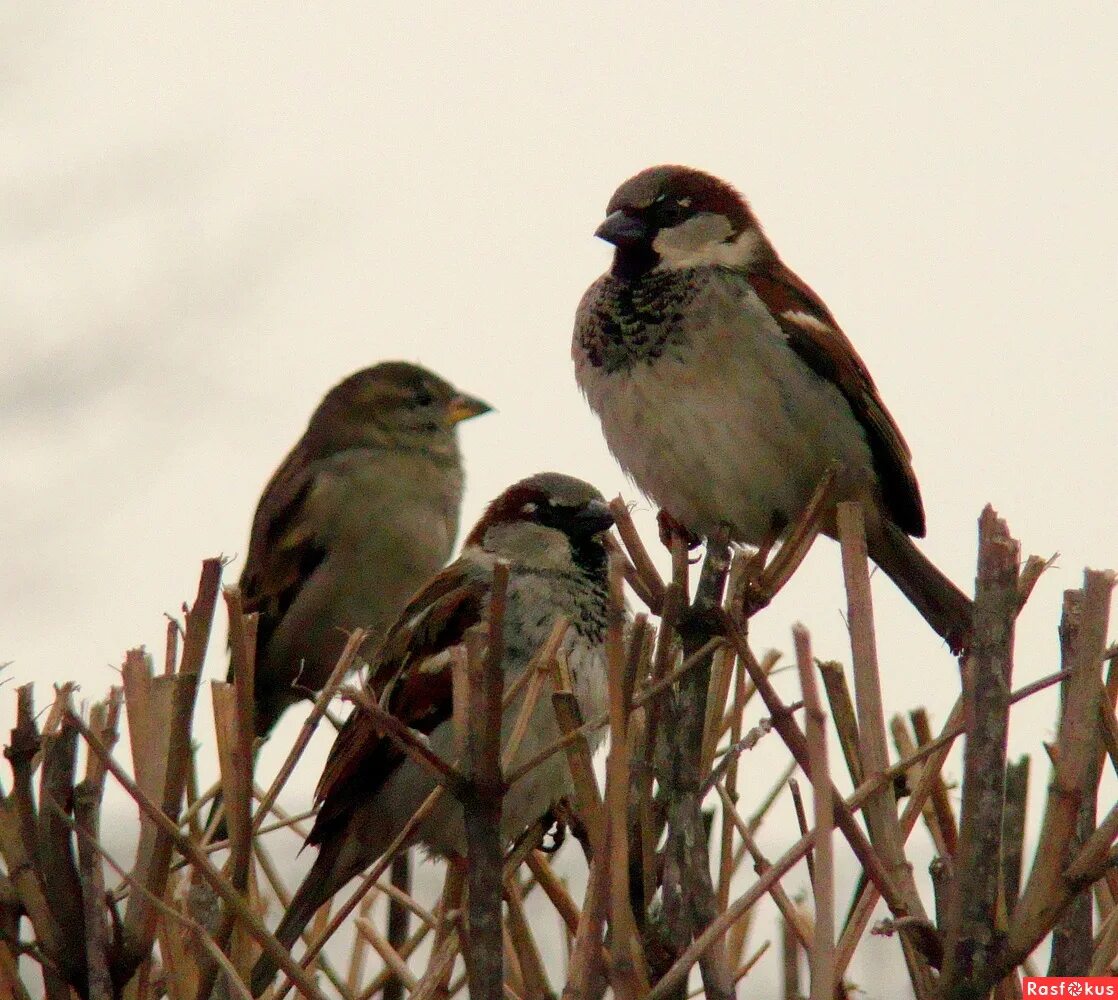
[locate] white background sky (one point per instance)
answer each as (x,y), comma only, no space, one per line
(210,214)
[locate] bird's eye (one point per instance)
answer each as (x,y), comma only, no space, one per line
(423,396)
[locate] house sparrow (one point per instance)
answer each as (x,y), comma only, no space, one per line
(549,529)
(361,512)
(726,388)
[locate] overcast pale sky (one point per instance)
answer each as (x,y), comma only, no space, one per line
(210,214)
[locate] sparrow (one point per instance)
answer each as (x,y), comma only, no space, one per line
(360,513)
(550,529)
(726,388)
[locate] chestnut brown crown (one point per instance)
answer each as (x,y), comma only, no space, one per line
(552,500)
(665,196)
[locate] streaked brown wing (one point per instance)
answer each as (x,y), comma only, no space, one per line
(421,692)
(283,552)
(816,337)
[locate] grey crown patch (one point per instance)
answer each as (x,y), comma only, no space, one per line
(624,322)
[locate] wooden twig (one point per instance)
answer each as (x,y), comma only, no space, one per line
(87,808)
(822,954)
(1049,888)
(221,885)
(169,746)
(653,585)
(397,920)
(628,974)
(941,801)
(1013,829)
(842,714)
(58,866)
(973,939)
(881,810)
(481,800)
(341,670)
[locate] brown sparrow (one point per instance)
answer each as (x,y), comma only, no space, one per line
(727,390)
(550,530)
(361,512)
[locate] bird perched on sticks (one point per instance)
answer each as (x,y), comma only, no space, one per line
(727,390)
(362,511)
(550,530)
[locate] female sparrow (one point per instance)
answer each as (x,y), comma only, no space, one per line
(362,511)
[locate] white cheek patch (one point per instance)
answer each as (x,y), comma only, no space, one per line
(701,240)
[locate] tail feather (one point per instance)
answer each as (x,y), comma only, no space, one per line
(320,884)
(943,606)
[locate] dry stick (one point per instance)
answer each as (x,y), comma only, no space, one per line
(790,962)
(801,822)
(792,916)
(186,846)
(935,753)
(941,801)
(58,869)
(482,799)
(373,876)
(22,872)
(677,974)
(799,541)
(586,954)
(790,732)
(449,902)
(237,801)
(1106,946)
(397,920)
(1013,829)
(87,808)
(906,747)
(234,714)
(412,742)
(973,939)
(1072,934)
(628,976)
(1049,889)
(649,694)
(528,955)
(275,882)
(392,958)
(688,840)
(736,939)
(556,891)
(842,714)
(823,949)
(154,862)
(358,955)
(642,561)
(169,912)
(345,663)
(726,852)
(881,810)
(21,753)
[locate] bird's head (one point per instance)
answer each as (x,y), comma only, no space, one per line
(394,402)
(547,521)
(673,218)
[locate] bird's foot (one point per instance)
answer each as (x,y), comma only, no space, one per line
(556,830)
(670,528)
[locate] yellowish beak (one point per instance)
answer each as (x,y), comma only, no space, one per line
(462,407)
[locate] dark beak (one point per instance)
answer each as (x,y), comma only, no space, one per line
(592,518)
(462,407)
(622,229)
